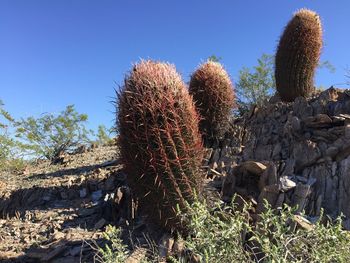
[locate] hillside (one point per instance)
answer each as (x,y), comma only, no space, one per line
(287,153)
(57,212)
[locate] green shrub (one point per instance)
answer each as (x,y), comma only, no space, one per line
(217,235)
(103,135)
(115,251)
(51,135)
(10,149)
(226,234)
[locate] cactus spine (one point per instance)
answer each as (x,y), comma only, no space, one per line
(213,94)
(298,55)
(159,141)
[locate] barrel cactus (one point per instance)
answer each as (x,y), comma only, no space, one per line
(159,141)
(213,94)
(298,55)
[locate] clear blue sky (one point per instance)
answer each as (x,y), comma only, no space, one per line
(59,52)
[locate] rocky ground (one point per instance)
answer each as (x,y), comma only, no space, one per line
(288,153)
(57,213)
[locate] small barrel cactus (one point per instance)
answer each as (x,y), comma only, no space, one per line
(298,55)
(212,91)
(159,141)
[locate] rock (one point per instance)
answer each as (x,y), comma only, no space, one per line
(286,184)
(268,177)
(295,124)
(318,121)
(345,116)
(165,246)
(100,223)
(300,195)
(87,211)
(83,193)
(346,224)
(97,195)
(279,201)
(305,153)
(331,151)
(74,251)
(253,167)
(302,108)
(64,195)
(344,153)
(54,253)
(228,187)
(66,259)
(215,156)
(344,186)
(270,194)
(303,222)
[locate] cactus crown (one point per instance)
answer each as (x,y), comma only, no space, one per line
(298,55)
(159,141)
(213,94)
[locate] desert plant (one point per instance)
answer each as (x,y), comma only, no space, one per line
(212,91)
(297,55)
(226,234)
(10,149)
(159,140)
(255,86)
(103,135)
(279,241)
(115,251)
(51,135)
(217,234)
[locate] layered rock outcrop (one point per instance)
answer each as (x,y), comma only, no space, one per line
(295,153)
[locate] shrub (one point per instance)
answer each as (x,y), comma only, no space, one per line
(255,86)
(298,54)
(159,140)
(10,149)
(115,251)
(212,91)
(217,234)
(225,234)
(103,135)
(51,135)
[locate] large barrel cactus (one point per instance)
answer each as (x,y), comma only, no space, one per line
(298,55)
(212,91)
(159,141)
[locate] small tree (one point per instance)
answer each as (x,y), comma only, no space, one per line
(103,135)
(6,142)
(257,85)
(50,135)
(10,149)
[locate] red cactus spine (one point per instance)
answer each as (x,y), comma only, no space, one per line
(159,141)
(298,55)
(213,94)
